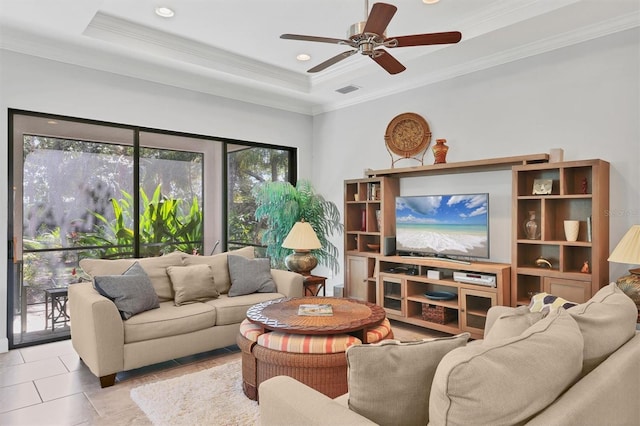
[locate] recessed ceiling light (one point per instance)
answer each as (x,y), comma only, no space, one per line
(165,12)
(303,57)
(52,122)
(430,1)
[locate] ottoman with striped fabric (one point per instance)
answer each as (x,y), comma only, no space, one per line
(318,361)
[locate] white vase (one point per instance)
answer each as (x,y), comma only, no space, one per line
(571,228)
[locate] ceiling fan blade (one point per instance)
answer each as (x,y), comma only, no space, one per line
(326,64)
(379,18)
(318,39)
(388,62)
(427,39)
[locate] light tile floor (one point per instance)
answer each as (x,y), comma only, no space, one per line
(49,385)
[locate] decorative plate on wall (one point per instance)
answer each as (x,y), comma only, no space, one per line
(407,135)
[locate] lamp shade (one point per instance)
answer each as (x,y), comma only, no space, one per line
(628,249)
(302,237)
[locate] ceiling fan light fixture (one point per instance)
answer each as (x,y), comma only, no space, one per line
(303,57)
(165,12)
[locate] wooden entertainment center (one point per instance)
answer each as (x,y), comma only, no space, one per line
(399,283)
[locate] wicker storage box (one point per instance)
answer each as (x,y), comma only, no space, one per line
(438,314)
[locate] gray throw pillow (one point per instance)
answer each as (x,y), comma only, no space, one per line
(391,380)
(132,292)
(250,276)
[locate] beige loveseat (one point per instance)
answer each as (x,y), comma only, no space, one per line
(108,344)
(579,366)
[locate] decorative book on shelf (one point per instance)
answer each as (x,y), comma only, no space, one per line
(315,310)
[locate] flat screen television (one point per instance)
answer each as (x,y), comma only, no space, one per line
(443,225)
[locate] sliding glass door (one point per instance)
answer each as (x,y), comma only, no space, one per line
(86,189)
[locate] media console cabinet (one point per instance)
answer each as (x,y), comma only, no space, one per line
(410,287)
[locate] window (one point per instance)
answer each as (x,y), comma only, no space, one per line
(90,189)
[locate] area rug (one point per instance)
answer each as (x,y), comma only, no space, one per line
(209,397)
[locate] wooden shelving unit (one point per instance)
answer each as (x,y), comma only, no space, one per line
(368,220)
(580,191)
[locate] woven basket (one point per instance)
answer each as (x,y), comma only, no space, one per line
(249,375)
(327,373)
(438,314)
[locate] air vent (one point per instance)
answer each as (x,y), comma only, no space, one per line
(347,89)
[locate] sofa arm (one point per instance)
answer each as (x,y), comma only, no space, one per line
(97,331)
(288,283)
(286,401)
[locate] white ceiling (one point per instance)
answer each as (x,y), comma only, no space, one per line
(232,48)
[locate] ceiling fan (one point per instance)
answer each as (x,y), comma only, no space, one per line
(369,37)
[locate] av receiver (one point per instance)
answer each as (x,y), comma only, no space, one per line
(475,278)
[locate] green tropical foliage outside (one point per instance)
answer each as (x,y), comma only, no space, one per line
(164,226)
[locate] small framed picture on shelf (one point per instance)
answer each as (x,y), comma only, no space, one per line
(542,186)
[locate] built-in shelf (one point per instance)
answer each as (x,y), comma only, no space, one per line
(491,164)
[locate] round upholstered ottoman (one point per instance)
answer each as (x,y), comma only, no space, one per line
(246,340)
(319,361)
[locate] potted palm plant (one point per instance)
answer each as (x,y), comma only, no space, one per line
(281,205)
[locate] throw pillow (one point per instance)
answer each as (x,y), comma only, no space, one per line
(250,276)
(218,263)
(132,292)
(513,323)
(607,321)
(391,380)
(545,302)
(507,382)
(156,268)
(192,283)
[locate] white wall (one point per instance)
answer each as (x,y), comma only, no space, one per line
(41,85)
(584,99)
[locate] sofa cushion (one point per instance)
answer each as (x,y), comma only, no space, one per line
(155,267)
(607,321)
(250,276)
(511,380)
(545,302)
(218,263)
(390,380)
(512,323)
(131,292)
(307,344)
(193,283)
(233,310)
(169,320)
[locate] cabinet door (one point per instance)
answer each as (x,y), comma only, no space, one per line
(572,290)
(474,305)
(356,277)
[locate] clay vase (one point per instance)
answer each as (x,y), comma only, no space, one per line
(440,151)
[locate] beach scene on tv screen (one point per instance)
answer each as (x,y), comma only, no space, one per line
(455,225)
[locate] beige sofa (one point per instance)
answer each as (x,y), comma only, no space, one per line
(107,344)
(578,366)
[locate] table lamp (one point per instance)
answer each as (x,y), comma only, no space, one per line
(302,239)
(628,251)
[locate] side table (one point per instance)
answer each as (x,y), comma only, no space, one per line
(313,284)
(57,296)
